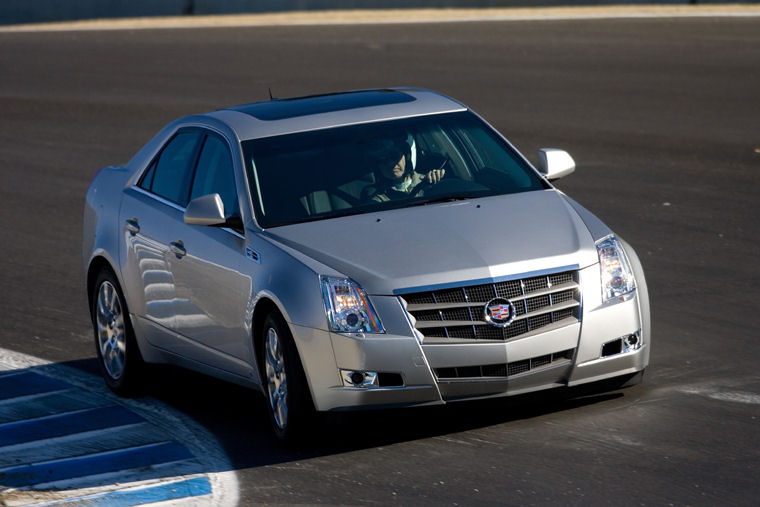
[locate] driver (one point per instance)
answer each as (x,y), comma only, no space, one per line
(395,176)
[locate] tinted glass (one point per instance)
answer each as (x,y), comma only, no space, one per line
(350,170)
(147,180)
(214,174)
(279,109)
(173,169)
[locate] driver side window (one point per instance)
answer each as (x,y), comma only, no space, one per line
(193,164)
(214,174)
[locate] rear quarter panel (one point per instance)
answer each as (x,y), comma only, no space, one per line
(100,232)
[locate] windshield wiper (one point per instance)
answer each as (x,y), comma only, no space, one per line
(445,198)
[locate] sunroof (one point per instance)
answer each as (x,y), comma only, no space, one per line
(281,109)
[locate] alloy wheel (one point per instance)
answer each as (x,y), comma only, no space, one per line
(112,337)
(276,379)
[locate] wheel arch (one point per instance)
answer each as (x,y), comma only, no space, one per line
(263,307)
(97,264)
(129,383)
(266,305)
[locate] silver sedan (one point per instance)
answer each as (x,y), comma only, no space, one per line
(352,250)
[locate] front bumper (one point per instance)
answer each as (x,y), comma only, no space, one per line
(564,356)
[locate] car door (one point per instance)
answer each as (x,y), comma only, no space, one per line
(149,210)
(194,296)
(213,293)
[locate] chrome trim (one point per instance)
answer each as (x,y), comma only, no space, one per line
(411,320)
(178,207)
(625,347)
(158,198)
(480,281)
(489,318)
(571,303)
(440,340)
(412,307)
(369,381)
(534,315)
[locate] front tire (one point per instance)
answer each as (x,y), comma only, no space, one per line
(118,355)
(285,387)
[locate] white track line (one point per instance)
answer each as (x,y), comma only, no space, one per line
(398,16)
(185,431)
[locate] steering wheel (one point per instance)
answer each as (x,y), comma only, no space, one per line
(419,190)
(451,185)
(422,186)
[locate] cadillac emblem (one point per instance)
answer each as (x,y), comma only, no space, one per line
(499,312)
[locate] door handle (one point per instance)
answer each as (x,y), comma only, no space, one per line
(132,226)
(178,248)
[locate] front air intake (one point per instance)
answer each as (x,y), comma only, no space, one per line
(612,348)
(507,370)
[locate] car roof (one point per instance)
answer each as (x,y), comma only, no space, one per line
(299,114)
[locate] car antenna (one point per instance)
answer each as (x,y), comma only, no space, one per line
(270,93)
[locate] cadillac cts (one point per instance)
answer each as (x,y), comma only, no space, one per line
(354,250)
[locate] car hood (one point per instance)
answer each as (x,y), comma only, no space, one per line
(476,240)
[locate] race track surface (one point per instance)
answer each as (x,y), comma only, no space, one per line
(663,119)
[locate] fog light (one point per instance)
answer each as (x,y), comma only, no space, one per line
(354,378)
(627,343)
(632,341)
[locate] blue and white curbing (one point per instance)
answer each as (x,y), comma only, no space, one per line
(65,439)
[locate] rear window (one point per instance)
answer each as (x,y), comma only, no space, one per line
(169,175)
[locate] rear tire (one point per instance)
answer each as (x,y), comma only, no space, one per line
(119,357)
(285,387)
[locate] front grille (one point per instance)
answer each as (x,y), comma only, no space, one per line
(456,314)
(506,370)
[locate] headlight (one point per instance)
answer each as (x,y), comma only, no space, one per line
(617,277)
(348,308)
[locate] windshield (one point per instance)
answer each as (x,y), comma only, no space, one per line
(370,167)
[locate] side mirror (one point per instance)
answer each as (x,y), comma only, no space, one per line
(554,164)
(205,210)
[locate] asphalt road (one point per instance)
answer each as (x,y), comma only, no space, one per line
(663,119)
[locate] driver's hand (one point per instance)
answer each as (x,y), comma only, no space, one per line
(435,176)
